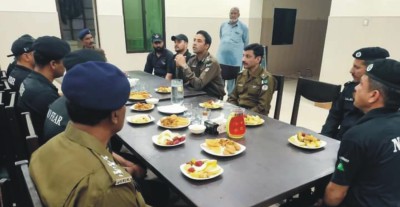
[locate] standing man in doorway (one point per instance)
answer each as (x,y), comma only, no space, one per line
(87,40)
(234,36)
(160,60)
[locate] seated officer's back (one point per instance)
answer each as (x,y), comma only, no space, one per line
(75,168)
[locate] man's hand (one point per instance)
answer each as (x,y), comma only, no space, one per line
(180,61)
(135,170)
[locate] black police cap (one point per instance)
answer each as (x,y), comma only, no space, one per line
(156,38)
(22,45)
(82,56)
(385,71)
(180,37)
(371,53)
(50,47)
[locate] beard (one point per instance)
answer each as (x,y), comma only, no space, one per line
(158,49)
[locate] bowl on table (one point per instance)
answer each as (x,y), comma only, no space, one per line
(152,100)
(197,128)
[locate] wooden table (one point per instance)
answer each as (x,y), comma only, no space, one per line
(152,82)
(270,170)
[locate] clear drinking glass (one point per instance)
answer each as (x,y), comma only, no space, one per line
(189,110)
(177,91)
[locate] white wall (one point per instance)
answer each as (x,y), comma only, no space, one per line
(18,17)
(347,32)
(40,17)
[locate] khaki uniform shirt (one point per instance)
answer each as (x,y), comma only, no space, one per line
(75,169)
(204,75)
(254,92)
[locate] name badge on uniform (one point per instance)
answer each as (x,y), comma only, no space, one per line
(348,99)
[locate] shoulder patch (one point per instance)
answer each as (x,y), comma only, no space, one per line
(117,173)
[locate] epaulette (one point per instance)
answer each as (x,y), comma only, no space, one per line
(117,174)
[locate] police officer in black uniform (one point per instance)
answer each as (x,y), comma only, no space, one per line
(367,168)
(37,92)
(57,116)
(22,50)
(160,60)
(343,114)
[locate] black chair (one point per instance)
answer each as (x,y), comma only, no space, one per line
(280,82)
(3,74)
(32,140)
(30,193)
(314,91)
(5,192)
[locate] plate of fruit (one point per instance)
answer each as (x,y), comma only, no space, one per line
(168,139)
(201,169)
(222,147)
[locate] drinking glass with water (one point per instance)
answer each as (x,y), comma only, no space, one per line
(177,91)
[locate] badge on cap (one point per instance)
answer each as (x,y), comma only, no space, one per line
(156,36)
(370,66)
(358,54)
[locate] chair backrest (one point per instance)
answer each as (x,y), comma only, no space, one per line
(314,91)
(5,192)
(280,82)
(31,195)
(16,139)
(32,140)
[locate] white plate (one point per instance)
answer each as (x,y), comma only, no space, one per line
(139,99)
(293,140)
(130,118)
(248,124)
(219,105)
(211,177)
(204,147)
(171,109)
(178,127)
(156,90)
(133,108)
(155,141)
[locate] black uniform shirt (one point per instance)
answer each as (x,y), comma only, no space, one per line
(343,115)
(17,75)
(160,65)
(173,70)
(56,119)
(369,160)
(36,93)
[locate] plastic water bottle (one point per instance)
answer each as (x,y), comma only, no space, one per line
(177,91)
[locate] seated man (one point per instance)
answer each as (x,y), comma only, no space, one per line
(343,114)
(22,50)
(37,92)
(202,71)
(367,165)
(181,47)
(254,85)
(75,168)
(160,60)
(57,117)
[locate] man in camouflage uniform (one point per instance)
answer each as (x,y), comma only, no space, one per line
(254,85)
(202,71)
(75,168)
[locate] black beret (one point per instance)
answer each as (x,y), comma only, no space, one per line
(83,33)
(82,56)
(50,47)
(22,45)
(385,71)
(180,37)
(96,85)
(206,36)
(371,53)
(156,37)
